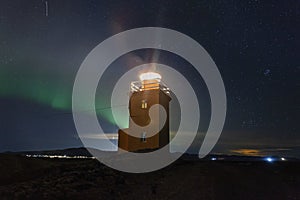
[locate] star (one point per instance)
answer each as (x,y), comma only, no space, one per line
(267,72)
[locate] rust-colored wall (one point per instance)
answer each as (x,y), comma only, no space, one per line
(130,143)
(141,117)
(123,140)
(164,134)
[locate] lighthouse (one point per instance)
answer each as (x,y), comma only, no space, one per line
(148,91)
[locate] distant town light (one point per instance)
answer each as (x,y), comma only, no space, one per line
(59,156)
(269,159)
(213,158)
(283,159)
(150,76)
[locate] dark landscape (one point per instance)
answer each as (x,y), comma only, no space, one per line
(24,177)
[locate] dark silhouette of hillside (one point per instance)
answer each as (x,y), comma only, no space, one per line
(22,177)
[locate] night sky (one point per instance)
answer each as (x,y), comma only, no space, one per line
(255,45)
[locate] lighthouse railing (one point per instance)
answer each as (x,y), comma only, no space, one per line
(138,86)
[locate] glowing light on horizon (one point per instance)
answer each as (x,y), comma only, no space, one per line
(58,156)
(269,159)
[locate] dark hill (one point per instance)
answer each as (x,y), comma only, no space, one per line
(39,178)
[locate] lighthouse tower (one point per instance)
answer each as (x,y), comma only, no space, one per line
(144,93)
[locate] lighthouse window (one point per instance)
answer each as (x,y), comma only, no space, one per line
(143,137)
(144,104)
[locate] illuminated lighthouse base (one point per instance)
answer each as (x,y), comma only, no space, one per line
(144,94)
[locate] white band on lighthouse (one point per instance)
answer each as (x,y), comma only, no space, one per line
(150,76)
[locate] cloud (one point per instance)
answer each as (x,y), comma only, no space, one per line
(259,152)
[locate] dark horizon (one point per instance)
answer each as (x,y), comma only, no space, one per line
(263,152)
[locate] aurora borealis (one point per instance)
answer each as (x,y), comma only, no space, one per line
(254,44)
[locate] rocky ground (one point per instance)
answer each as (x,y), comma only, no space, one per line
(37,178)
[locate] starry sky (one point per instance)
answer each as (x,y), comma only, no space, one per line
(254,44)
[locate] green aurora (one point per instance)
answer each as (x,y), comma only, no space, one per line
(51,89)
